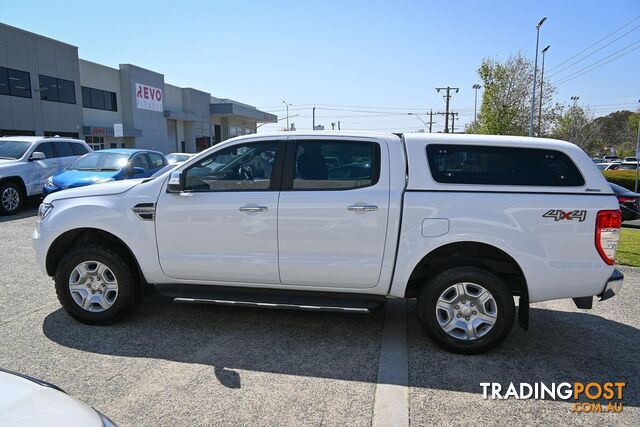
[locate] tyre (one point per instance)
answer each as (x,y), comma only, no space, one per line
(11,198)
(95,285)
(466,310)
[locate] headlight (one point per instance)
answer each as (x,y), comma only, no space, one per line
(104,180)
(44,210)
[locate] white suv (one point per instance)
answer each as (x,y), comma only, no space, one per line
(26,162)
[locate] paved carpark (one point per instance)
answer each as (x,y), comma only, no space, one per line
(175,364)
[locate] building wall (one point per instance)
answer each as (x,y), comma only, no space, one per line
(106,78)
(152,123)
(25,51)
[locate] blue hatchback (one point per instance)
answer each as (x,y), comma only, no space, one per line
(107,165)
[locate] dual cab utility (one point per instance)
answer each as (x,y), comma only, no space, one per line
(336,220)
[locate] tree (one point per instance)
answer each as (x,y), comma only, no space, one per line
(506,100)
(576,125)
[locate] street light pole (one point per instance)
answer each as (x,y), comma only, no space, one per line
(541,93)
(287,105)
(420,118)
(535,76)
(475,106)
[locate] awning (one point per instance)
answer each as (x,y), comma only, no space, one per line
(230,109)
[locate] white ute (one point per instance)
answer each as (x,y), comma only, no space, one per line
(343,221)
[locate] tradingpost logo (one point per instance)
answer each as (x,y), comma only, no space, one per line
(592,397)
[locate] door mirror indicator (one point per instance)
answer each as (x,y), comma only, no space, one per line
(37,155)
(175,183)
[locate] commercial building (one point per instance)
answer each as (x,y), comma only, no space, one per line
(45,89)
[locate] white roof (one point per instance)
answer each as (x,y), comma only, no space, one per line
(33,139)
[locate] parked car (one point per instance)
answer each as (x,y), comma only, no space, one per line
(612,158)
(630,159)
(597,160)
(629,202)
(177,158)
(107,165)
(26,162)
(628,166)
(608,166)
(463,223)
(27,401)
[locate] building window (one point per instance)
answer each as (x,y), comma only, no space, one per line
(15,83)
(99,99)
(58,90)
(95,142)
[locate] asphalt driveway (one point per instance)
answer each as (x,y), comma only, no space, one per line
(198,364)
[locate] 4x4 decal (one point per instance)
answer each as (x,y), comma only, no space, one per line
(559,215)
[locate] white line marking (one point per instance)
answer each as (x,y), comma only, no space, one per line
(391,407)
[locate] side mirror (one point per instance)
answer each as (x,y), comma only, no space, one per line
(37,155)
(137,170)
(175,183)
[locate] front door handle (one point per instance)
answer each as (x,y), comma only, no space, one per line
(362,208)
(253,208)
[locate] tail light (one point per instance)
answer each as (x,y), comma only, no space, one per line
(608,225)
(623,199)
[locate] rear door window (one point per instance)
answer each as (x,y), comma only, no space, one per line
(485,165)
(63,149)
(335,165)
(157,160)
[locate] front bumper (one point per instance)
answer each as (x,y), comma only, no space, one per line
(613,286)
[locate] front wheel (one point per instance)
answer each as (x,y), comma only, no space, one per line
(95,285)
(466,310)
(11,198)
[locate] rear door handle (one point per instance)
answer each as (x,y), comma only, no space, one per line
(362,208)
(253,208)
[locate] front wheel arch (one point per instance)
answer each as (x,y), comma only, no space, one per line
(94,236)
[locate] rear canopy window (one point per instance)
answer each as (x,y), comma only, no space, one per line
(472,164)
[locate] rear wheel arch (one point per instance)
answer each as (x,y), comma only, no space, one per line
(94,236)
(468,253)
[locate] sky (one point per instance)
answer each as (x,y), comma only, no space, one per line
(366,64)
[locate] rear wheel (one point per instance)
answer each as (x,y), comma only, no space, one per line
(95,285)
(11,198)
(466,310)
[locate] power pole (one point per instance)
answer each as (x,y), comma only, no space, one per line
(338,124)
(314,118)
(453,122)
(447,97)
(430,120)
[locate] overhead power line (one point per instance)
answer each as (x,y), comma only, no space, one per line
(593,53)
(599,63)
(594,44)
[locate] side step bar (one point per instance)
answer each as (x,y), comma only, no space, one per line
(272,298)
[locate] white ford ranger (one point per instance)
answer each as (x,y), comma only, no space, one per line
(343,221)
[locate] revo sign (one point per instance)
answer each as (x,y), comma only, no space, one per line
(148,97)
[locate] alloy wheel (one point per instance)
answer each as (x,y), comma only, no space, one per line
(466,311)
(10,199)
(93,286)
